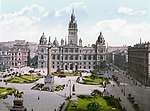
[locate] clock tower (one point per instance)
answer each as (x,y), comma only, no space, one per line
(72,30)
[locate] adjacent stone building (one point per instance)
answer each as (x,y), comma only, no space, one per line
(72,56)
(139,62)
(121,59)
(4,58)
(20,55)
(112,50)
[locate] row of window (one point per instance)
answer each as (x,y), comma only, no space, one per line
(80,67)
(72,33)
(71,50)
(81,63)
(15,64)
(16,53)
(75,57)
(72,57)
(15,59)
(4,63)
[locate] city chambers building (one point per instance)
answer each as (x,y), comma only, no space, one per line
(71,55)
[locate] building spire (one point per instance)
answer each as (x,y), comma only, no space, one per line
(73,11)
(72,15)
(140,40)
(65,41)
(49,41)
(100,32)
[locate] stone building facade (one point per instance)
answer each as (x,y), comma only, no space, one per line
(121,59)
(20,55)
(112,50)
(4,58)
(139,62)
(72,56)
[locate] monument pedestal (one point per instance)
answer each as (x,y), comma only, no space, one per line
(18,106)
(49,81)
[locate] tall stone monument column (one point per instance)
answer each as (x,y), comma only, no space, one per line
(49,59)
(49,79)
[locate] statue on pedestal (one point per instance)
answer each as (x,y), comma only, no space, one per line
(18,102)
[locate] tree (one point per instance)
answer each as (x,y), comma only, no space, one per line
(93,74)
(96,93)
(94,106)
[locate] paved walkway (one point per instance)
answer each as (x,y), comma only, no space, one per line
(139,92)
(115,90)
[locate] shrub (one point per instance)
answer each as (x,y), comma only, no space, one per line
(14,81)
(4,97)
(112,102)
(25,82)
(46,89)
(94,106)
(84,96)
(96,93)
(9,89)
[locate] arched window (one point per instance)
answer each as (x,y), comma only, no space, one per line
(76,57)
(54,57)
(101,57)
(42,57)
(42,50)
(71,57)
(94,57)
(89,58)
(84,57)
(71,50)
(58,57)
(66,57)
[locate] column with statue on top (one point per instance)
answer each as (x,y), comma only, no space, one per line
(49,79)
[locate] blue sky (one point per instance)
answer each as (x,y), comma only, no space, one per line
(122,22)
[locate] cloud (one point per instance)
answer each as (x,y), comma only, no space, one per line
(68,9)
(29,22)
(129,11)
(20,23)
(117,32)
(32,20)
(25,17)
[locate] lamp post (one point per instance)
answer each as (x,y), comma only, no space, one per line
(70,88)
(124,85)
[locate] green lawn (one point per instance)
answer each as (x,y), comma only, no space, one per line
(66,74)
(6,91)
(41,87)
(27,78)
(94,81)
(59,87)
(107,103)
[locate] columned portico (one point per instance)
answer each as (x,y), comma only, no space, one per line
(70,66)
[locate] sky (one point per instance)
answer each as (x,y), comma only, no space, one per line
(122,22)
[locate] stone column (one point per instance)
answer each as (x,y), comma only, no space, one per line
(49,61)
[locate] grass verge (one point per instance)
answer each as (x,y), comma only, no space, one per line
(6,91)
(27,78)
(107,103)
